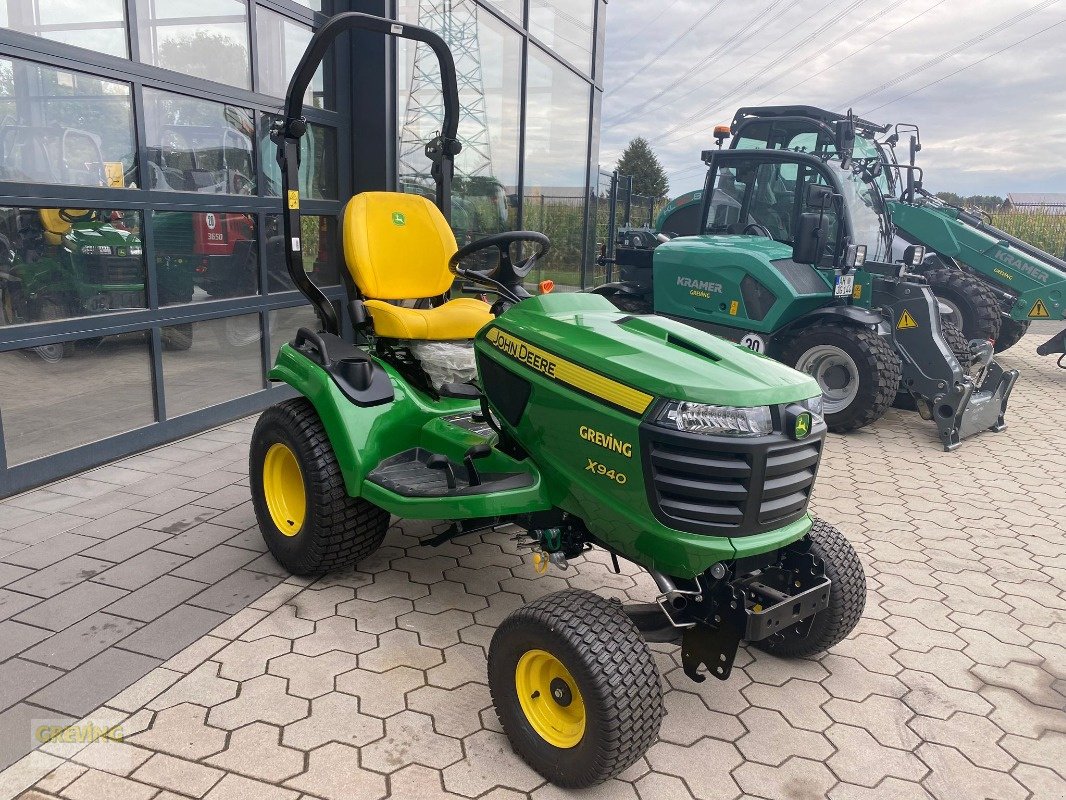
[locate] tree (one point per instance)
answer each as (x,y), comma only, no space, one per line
(640,161)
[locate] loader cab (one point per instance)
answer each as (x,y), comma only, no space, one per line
(769,194)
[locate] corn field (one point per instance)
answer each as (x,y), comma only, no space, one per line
(1044,228)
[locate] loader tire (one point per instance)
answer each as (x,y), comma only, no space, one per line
(1011,333)
(847,598)
(309,521)
(575,687)
(975,309)
(631,304)
(858,371)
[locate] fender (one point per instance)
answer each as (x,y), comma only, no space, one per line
(858,316)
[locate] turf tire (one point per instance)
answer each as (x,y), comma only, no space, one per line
(880,371)
(847,598)
(339,530)
(613,669)
(981,317)
(1011,333)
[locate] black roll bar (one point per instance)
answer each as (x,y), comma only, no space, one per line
(287,132)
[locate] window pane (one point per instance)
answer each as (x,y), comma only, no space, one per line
(60,263)
(74,393)
(205,255)
(285,322)
(98,26)
(210,362)
(318,161)
(489,53)
(565,27)
(198,146)
(285,41)
(207,40)
(64,127)
(556,158)
(512,8)
(320,250)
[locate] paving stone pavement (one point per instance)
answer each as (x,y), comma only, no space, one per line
(371,681)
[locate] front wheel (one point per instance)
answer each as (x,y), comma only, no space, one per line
(575,687)
(847,598)
(1011,333)
(858,371)
(309,522)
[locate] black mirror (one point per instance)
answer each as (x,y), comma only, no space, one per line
(811,237)
(845,139)
(818,196)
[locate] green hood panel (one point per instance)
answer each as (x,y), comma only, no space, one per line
(659,356)
(769,249)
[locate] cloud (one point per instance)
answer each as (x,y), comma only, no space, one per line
(991,122)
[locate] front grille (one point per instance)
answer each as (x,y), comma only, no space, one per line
(103,270)
(728,487)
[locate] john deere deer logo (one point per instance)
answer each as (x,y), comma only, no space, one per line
(398,219)
(803,426)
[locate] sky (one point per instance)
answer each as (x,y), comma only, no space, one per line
(985,80)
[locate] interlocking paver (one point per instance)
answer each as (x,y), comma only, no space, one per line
(181,731)
(334,774)
(255,751)
(335,717)
(261,699)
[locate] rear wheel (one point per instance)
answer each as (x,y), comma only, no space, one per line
(1011,333)
(847,598)
(858,371)
(575,687)
(974,309)
(53,353)
(307,518)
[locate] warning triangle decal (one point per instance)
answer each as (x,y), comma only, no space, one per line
(906,322)
(1039,311)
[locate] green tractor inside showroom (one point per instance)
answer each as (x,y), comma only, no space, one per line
(994,284)
(569,425)
(790,253)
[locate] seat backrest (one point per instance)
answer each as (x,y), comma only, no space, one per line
(397,246)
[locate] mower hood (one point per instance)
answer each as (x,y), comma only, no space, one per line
(659,356)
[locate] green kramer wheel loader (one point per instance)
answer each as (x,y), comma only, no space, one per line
(994,284)
(792,258)
(584,427)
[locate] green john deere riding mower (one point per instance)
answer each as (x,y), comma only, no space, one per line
(790,254)
(584,427)
(994,284)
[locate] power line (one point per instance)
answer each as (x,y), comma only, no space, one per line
(665,50)
(1009,23)
(634,113)
(670,134)
(856,52)
(644,28)
(968,66)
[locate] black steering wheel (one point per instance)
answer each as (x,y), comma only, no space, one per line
(757,230)
(507,274)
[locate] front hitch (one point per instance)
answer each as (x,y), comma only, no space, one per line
(1055,345)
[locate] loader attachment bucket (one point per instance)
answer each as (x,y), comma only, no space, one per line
(960,404)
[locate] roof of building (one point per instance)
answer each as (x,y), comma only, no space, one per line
(1037,198)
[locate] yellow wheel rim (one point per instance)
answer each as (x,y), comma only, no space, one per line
(283,487)
(550,699)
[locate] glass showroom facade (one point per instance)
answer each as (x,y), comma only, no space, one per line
(143,293)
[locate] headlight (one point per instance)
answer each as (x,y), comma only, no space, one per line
(716,420)
(817,408)
(96,250)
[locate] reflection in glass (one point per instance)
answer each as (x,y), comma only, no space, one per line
(320,248)
(198,146)
(101,388)
(285,41)
(318,161)
(285,322)
(556,150)
(207,40)
(210,362)
(205,255)
(98,26)
(488,57)
(565,26)
(512,8)
(59,126)
(59,263)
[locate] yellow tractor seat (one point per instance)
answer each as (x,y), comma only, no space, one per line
(397,247)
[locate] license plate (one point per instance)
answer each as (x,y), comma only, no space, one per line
(845,286)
